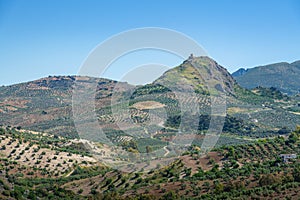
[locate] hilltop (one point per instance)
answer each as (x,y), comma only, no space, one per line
(200,73)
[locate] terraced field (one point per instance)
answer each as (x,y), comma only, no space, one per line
(50,159)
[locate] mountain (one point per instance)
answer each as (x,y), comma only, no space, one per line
(200,73)
(283,76)
(257,112)
(45,105)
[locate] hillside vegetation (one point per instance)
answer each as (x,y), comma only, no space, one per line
(253,170)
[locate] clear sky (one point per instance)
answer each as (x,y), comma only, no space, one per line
(53,37)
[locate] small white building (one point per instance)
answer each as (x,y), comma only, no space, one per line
(286,157)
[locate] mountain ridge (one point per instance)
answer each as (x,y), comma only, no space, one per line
(283,76)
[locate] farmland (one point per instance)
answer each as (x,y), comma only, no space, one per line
(236,171)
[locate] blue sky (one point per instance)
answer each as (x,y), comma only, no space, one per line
(41,38)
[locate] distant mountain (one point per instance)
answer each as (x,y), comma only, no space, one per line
(239,72)
(283,76)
